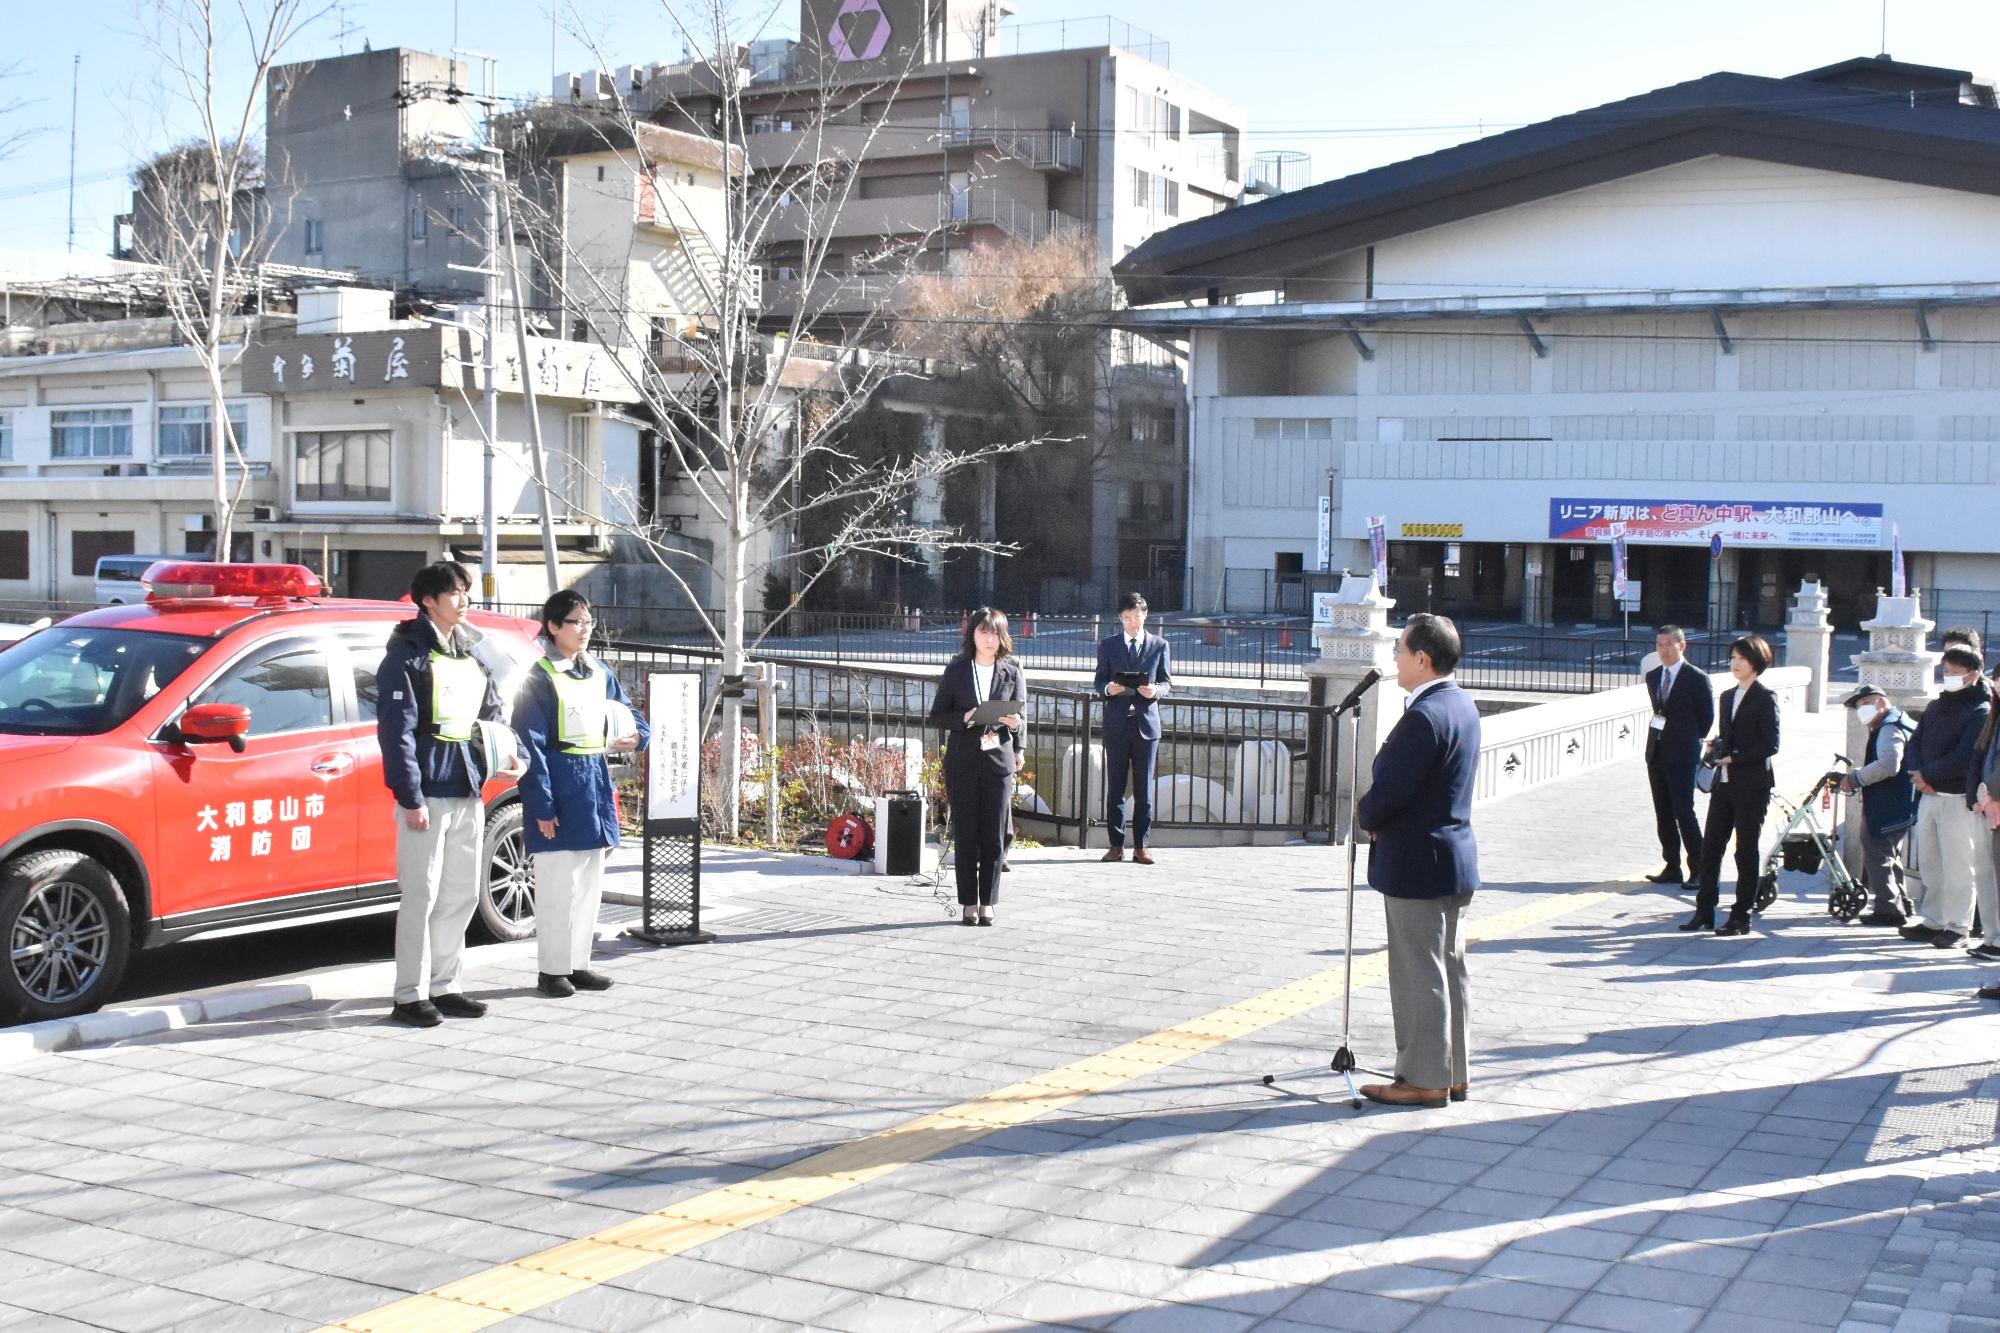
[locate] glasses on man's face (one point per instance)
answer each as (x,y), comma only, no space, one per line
(585,623)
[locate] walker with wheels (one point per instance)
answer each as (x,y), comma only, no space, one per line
(1805,845)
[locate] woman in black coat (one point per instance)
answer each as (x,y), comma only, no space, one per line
(979,760)
(1745,743)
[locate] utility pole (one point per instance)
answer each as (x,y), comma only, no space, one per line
(549,563)
(75,75)
(489,541)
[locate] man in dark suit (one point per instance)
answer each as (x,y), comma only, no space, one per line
(1683,711)
(1425,862)
(1131,723)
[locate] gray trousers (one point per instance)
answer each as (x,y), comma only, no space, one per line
(1882,869)
(1428,989)
(438,872)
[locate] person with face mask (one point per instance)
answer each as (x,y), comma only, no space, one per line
(1985,780)
(1888,804)
(1950,863)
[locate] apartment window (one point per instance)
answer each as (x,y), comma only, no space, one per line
(188,432)
(1149,430)
(455,215)
(315,237)
(420,223)
(1291,428)
(88,547)
(98,432)
(1142,189)
(1166,197)
(341,465)
(6,436)
(14,553)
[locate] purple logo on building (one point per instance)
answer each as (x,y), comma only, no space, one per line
(859,31)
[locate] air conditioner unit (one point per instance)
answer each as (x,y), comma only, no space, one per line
(264,514)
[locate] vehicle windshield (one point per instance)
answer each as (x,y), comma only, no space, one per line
(83,681)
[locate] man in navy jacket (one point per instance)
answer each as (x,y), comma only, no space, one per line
(1683,711)
(1425,862)
(1950,871)
(1131,723)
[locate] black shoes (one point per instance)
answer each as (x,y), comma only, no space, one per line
(429,1013)
(1735,925)
(1918,933)
(1989,992)
(1667,875)
(421,1014)
(968,921)
(1946,939)
(1699,921)
(985,920)
(1885,919)
(561,987)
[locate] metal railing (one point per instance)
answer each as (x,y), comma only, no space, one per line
(1222,764)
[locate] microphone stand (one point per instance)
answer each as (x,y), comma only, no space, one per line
(1344,1063)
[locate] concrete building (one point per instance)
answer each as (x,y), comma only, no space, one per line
(364,158)
(1761,308)
(968,129)
(378,456)
(106,449)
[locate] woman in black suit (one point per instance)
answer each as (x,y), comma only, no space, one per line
(979,760)
(1745,743)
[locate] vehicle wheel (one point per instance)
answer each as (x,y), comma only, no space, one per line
(507,897)
(68,934)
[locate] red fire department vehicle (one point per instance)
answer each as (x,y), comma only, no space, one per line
(205,761)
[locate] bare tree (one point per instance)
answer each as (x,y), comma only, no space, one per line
(211,225)
(1023,320)
(755,401)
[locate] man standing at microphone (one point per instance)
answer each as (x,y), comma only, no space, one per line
(1425,863)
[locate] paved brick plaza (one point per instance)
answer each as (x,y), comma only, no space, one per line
(856,1115)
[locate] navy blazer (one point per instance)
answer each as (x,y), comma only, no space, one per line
(1130,708)
(1689,710)
(1419,805)
(957,692)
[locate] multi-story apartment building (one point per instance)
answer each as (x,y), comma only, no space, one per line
(1764,309)
(966,131)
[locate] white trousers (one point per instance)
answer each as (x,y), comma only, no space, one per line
(569,886)
(1952,866)
(438,872)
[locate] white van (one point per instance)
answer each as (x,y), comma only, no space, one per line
(118,577)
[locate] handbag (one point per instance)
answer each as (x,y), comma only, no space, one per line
(1704,776)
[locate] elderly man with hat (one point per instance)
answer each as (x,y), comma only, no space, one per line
(1888,803)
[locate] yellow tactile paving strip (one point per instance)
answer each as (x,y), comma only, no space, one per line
(528,1283)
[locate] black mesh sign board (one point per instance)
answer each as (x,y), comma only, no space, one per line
(671,911)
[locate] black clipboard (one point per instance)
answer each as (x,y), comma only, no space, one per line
(1132,680)
(990,712)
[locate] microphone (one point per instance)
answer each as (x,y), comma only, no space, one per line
(1367,683)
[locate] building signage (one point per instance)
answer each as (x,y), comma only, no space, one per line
(1824,523)
(1432,531)
(1325,533)
(859,31)
(429,357)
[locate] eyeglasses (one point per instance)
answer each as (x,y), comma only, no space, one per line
(585,623)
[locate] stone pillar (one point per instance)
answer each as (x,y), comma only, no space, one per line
(1898,662)
(1356,641)
(1809,640)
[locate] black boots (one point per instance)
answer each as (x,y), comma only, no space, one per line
(1737,924)
(1703,919)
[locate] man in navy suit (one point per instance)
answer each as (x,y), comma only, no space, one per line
(1425,862)
(1131,724)
(1683,711)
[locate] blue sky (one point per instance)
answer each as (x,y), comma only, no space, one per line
(1353,84)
